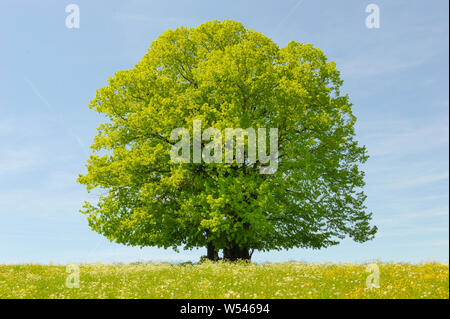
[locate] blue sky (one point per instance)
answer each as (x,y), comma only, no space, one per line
(396,76)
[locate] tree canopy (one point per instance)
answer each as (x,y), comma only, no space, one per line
(227,76)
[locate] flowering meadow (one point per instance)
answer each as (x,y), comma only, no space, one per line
(224,280)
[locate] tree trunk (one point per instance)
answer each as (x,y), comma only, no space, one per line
(212,253)
(235,252)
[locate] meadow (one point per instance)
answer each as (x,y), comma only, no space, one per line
(224,280)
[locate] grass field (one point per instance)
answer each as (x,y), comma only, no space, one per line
(225,280)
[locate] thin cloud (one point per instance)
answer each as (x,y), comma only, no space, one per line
(58,115)
(400,219)
(434,243)
(141,18)
(389,55)
(393,137)
(19,160)
(288,15)
(419,181)
(408,231)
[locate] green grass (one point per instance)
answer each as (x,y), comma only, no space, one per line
(225,280)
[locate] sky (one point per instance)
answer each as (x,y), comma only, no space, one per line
(396,76)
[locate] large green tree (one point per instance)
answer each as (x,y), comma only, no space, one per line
(227,76)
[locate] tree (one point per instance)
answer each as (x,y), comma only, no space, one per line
(227,76)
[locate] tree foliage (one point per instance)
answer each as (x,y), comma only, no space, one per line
(228,77)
